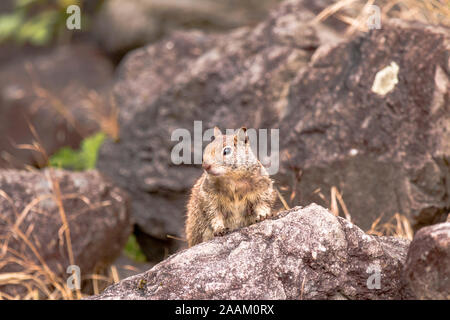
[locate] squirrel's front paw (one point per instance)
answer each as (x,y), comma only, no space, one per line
(262,215)
(221,232)
(260,218)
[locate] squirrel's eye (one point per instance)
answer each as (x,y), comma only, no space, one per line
(226,151)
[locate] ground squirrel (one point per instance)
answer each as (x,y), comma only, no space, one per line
(234,190)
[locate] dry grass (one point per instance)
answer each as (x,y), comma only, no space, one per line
(336,202)
(38,279)
(356,13)
(283,201)
(398,226)
(101,109)
(35,276)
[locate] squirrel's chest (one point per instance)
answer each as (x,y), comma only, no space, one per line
(237,212)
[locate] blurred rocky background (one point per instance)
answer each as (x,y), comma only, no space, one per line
(86,118)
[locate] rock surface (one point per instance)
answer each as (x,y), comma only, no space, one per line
(427,267)
(48,84)
(301,254)
(386,153)
(97,215)
(334,130)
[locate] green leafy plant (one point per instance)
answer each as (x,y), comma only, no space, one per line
(133,251)
(35,21)
(83,159)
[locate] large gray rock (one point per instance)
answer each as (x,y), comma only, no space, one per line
(48,89)
(427,267)
(301,254)
(386,152)
(97,215)
(225,80)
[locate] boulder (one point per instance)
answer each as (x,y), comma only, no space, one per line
(301,254)
(371,116)
(229,80)
(427,267)
(50,83)
(33,236)
(386,152)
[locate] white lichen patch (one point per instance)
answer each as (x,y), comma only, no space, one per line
(386,79)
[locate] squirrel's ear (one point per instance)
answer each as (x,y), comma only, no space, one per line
(241,135)
(217,132)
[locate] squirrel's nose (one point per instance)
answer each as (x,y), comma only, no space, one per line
(206,166)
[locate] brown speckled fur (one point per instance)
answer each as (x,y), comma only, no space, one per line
(235,192)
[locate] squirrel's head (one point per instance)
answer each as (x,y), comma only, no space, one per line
(229,153)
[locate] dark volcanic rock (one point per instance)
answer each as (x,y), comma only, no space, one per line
(151,70)
(97,215)
(386,152)
(302,254)
(48,89)
(427,267)
(241,78)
